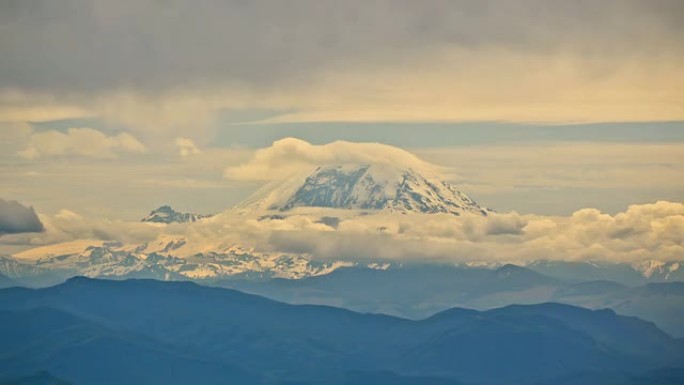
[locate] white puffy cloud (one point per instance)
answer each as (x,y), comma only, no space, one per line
(649,231)
(82,142)
(186,147)
(290,155)
(642,232)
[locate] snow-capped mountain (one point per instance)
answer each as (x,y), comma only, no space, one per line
(328,199)
(165,214)
(366,187)
(158,261)
(12,268)
(167,259)
(175,254)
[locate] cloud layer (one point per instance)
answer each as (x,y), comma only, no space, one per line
(16,218)
(83,142)
(100,45)
(174,66)
(642,232)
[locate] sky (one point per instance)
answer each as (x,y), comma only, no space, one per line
(110,109)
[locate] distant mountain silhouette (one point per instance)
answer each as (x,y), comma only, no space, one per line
(412,291)
(418,291)
(6,282)
(93,332)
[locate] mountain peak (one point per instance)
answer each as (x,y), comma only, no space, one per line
(165,214)
(367,187)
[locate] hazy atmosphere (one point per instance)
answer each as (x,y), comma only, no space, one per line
(469,154)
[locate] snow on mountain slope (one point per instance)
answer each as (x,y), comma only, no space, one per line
(13,268)
(365,187)
(159,260)
(57,250)
(172,258)
(659,270)
(165,214)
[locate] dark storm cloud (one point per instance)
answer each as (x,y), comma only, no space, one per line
(16,218)
(79,45)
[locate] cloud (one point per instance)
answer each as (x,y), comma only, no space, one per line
(341,61)
(186,147)
(510,223)
(290,155)
(205,44)
(16,218)
(67,226)
(13,135)
(642,232)
(83,142)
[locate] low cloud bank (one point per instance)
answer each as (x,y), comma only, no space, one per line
(647,231)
